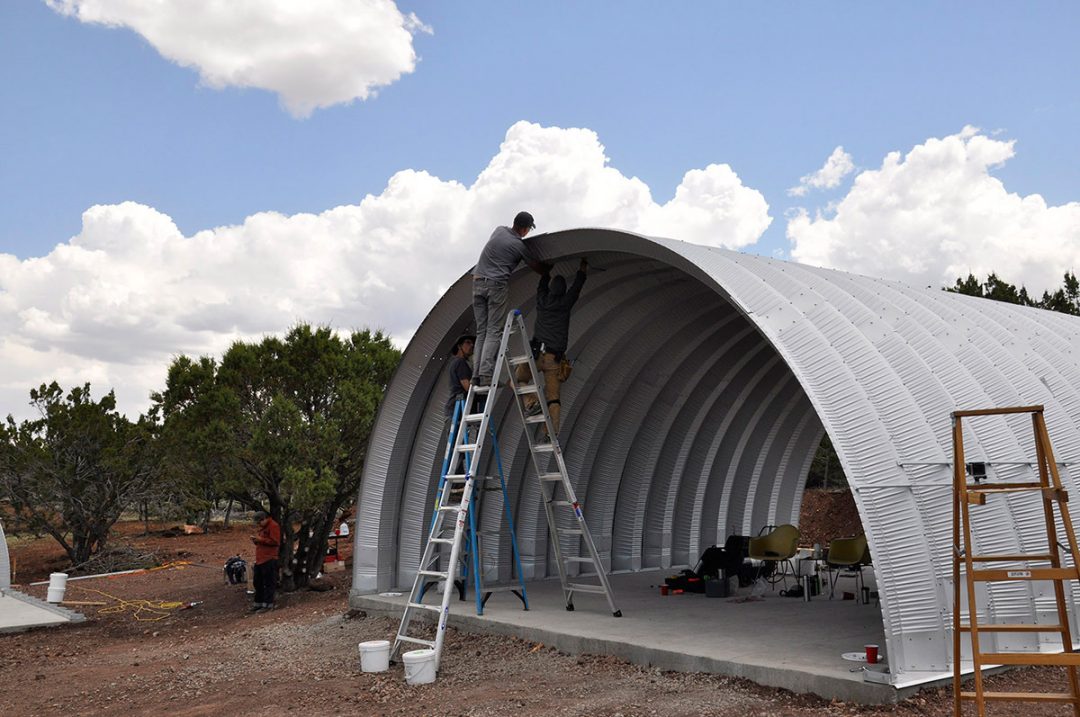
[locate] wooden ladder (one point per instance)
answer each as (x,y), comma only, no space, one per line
(966,495)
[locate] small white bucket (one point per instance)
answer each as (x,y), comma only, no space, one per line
(419,666)
(57,587)
(375,656)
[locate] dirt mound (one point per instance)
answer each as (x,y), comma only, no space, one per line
(828,514)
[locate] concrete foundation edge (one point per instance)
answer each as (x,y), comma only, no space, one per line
(793,680)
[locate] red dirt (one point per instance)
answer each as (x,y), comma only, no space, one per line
(218,658)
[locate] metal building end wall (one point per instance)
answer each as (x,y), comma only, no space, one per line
(704,380)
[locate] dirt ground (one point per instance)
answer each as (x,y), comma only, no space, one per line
(217,658)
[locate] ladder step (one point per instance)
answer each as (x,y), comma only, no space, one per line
(551,477)
(1003,627)
(1022,696)
(582,588)
(481,389)
(435,573)
(456,477)
(543,447)
(1026,574)
(474,418)
(538,418)
(528,388)
(590,561)
(467,448)
(450,508)
(422,606)
(1003,487)
(416,640)
(517,360)
(1030,658)
(1008,558)
(442,541)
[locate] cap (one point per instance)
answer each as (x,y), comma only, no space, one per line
(524,219)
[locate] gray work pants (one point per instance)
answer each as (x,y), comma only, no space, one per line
(489,309)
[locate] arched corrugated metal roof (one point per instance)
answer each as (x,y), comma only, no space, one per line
(704,381)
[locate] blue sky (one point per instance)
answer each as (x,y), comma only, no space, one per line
(95,115)
(176,176)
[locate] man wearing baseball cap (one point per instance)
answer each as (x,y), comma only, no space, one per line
(491,288)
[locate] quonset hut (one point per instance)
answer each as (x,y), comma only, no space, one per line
(704,382)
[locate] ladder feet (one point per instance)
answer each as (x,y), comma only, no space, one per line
(570,607)
(617,613)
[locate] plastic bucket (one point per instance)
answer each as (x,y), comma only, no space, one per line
(419,666)
(375,656)
(57,587)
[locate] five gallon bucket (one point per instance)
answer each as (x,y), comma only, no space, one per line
(419,666)
(375,656)
(57,586)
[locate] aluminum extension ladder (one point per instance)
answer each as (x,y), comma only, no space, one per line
(464,458)
(967,495)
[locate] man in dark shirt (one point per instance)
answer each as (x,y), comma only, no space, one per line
(491,288)
(459,372)
(551,338)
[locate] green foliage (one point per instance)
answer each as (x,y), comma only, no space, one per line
(71,473)
(283,425)
(1065,300)
(825,469)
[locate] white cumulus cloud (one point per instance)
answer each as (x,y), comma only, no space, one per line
(938,213)
(836,167)
(314,53)
(114,304)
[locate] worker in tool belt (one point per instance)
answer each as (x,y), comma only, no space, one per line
(267,541)
(550,339)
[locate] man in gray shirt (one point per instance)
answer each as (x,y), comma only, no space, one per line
(491,288)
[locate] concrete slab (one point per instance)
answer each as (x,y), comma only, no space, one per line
(21,612)
(779,642)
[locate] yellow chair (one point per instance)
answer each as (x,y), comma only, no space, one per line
(849,554)
(778,546)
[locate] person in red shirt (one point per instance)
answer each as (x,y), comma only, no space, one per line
(267,541)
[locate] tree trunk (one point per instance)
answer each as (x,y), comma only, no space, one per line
(228,512)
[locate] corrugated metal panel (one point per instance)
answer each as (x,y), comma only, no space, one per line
(705,379)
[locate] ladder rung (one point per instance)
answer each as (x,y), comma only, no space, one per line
(1003,627)
(582,588)
(481,389)
(422,606)
(1030,658)
(578,559)
(527,388)
(435,573)
(517,360)
(1007,558)
(1005,487)
(474,418)
(442,541)
(552,477)
(538,418)
(416,640)
(456,477)
(1022,696)
(450,508)
(1026,574)
(543,447)
(467,448)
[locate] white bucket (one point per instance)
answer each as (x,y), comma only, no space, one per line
(419,666)
(375,656)
(57,587)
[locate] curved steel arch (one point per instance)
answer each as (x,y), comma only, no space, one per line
(704,381)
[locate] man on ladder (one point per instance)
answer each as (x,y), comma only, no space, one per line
(504,250)
(551,334)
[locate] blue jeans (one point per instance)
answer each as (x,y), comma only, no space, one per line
(489,309)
